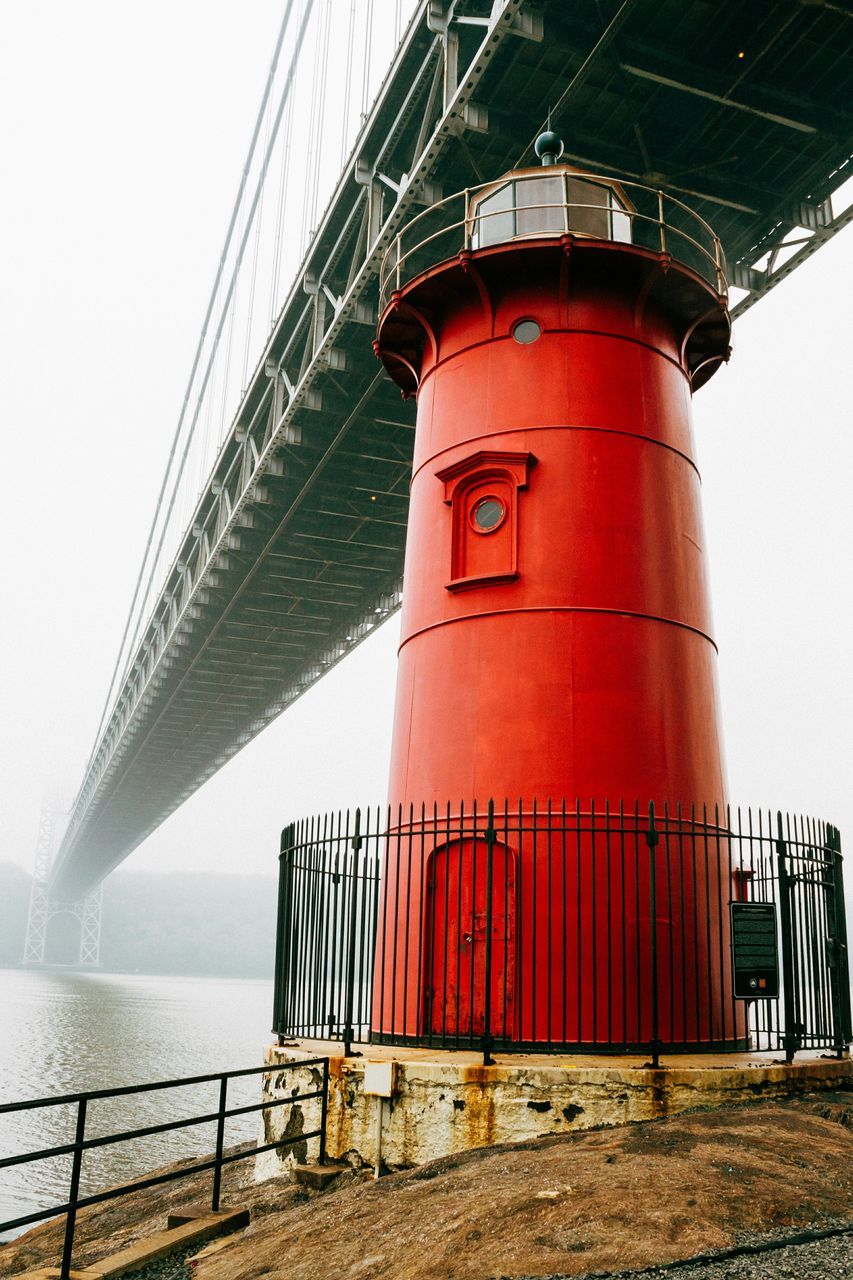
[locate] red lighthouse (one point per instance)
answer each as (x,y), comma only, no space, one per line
(557,642)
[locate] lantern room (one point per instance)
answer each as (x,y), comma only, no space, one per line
(551,199)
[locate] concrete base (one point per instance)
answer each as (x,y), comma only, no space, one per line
(445,1102)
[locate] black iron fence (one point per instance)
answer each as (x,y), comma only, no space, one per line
(566,930)
(81,1144)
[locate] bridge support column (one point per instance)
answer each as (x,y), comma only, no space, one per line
(43,906)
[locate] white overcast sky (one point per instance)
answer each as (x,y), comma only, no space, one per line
(122,132)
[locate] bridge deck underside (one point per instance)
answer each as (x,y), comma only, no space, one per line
(296,549)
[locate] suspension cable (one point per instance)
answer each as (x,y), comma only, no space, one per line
(196,361)
(247,227)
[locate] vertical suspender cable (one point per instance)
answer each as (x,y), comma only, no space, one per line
(259,221)
(196,360)
(313,149)
(321,113)
(368,49)
(284,173)
(348,83)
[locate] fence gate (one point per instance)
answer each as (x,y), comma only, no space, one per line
(815,961)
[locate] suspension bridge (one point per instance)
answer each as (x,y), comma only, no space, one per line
(276,544)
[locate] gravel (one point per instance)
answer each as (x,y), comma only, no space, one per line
(172,1267)
(827,1259)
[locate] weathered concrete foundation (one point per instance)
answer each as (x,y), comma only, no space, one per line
(442,1103)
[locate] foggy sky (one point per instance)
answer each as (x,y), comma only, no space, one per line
(124,131)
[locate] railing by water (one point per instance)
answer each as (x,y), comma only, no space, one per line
(646,216)
(556,929)
(81,1144)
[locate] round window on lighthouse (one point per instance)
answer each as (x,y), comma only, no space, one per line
(526,331)
(487,514)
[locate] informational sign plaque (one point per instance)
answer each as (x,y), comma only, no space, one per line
(755,958)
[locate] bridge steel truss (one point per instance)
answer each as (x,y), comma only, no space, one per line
(295,551)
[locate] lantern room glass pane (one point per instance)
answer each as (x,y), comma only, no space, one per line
(621,223)
(530,196)
(495,217)
(589,212)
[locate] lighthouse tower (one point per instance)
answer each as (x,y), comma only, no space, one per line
(557,643)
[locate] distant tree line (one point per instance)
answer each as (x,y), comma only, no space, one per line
(177,923)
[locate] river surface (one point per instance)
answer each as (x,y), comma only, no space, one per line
(64,1032)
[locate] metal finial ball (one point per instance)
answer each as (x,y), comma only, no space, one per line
(548,147)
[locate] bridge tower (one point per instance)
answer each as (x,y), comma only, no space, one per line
(44,907)
(557,641)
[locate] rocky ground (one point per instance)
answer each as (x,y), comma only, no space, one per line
(612,1201)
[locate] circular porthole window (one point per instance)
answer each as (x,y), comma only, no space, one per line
(487,514)
(526,331)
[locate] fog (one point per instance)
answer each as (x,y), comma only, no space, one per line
(125,133)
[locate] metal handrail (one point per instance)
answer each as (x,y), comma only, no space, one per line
(400,250)
(81,1143)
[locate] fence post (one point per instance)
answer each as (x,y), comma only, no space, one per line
(839,977)
(73,1190)
(651,841)
(349,1031)
(661,222)
(490,836)
(220,1138)
(324,1110)
(283,927)
(790,1040)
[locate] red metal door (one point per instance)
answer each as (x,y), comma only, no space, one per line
(470,945)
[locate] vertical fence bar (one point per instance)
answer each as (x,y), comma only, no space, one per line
(790,1041)
(608,873)
(444,929)
(324,1111)
(550,966)
(355,845)
(667,836)
(838,975)
(323,978)
(507,856)
(283,929)
(73,1190)
(720,936)
(651,841)
(593,911)
(534,912)
(490,835)
(424,903)
(408,913)
(624,930)
(843,943)
(220,1140)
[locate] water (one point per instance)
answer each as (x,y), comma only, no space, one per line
(62,1032)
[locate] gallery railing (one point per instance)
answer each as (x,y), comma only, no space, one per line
(563,929)
(549,204)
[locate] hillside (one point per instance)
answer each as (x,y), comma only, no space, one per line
(580,1205)
(181,923)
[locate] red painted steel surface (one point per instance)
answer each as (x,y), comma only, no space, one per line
(566,650)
